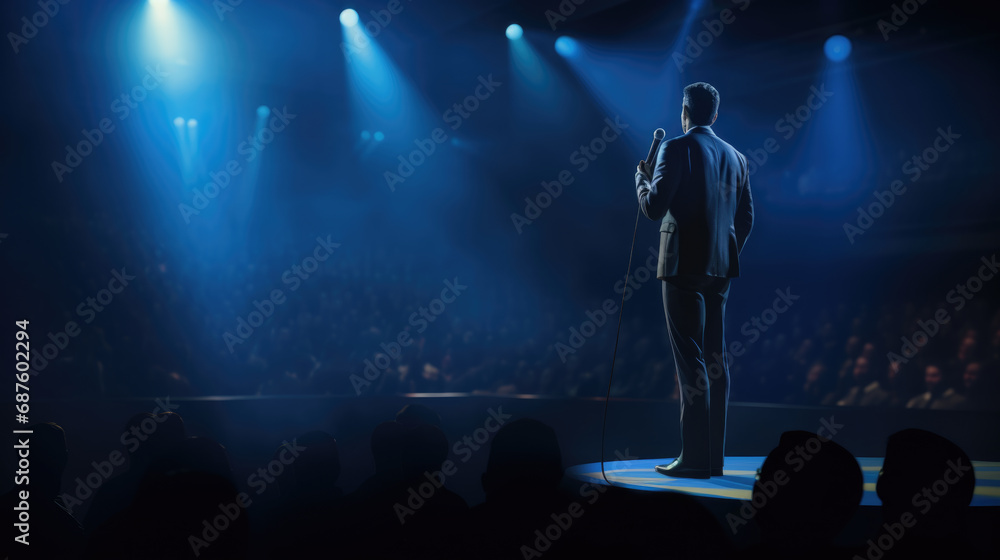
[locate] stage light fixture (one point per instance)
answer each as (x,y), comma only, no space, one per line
(567,46)
(837,48)
(349,17)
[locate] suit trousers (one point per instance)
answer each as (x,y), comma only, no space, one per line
(695,307)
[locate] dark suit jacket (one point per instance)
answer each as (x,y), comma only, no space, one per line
(700,193)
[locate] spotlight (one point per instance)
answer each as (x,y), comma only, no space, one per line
(837,48)
(514,31)
(349,17)
(158,3)
(179,122)
(263,112)
(192,123)
(379,136)
(567,46)
(365,135)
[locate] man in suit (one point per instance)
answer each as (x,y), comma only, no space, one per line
(699,191)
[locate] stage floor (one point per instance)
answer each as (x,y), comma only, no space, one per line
(736,482)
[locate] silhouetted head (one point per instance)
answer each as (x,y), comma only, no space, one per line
(194,454)
(49,456)
(171,426)
(386,446)
(415,414)
(700,106)
(312,466)
(807,490)
(928,477)
(148,436)
(424,448)
(524,457)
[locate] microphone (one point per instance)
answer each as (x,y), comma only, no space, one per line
(658,136)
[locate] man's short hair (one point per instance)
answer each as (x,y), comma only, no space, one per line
(702,102)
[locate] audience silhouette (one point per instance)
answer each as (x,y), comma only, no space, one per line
(805,493)
(177,498)
(926,485)
(147,437)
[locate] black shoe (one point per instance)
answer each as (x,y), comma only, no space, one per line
(678,470)
(717,471)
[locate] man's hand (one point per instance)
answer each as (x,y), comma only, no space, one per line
(644,169)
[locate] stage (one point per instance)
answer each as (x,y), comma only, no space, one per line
(736,482)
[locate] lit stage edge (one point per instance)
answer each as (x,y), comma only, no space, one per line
(736,482)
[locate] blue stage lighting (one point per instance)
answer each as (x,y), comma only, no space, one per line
(567,46)
(514,31)
(192,123)
(379,136)
(179,122)
(167,34)
(365,135)
(837,48)
(349,17)
(263,112)
(164,31)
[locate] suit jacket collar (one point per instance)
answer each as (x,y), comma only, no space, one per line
(701,130)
